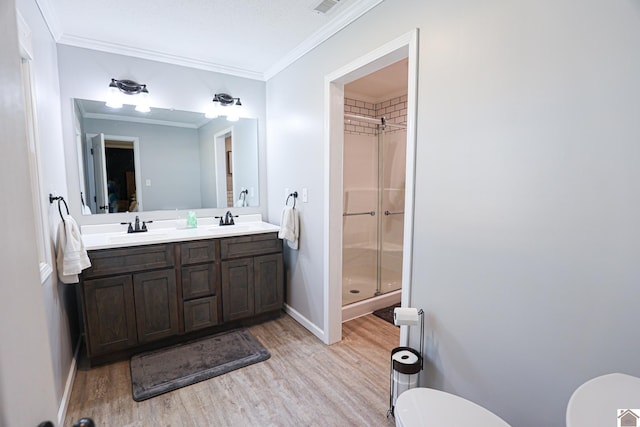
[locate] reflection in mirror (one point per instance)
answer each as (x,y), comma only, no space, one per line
(163,160)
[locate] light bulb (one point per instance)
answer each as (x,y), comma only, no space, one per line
(142,104)
(113,96)
(212,111)
(233,113)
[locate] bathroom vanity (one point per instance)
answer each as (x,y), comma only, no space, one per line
(167,286)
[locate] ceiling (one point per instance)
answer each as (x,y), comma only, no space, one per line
(248,38)
(388,82)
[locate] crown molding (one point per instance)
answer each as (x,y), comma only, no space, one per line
(76,41)
(352,12)
(50,18)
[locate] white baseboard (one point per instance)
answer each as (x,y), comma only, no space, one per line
(66,396)
(306,323)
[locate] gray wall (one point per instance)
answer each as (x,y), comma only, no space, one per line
(28,384)
(208,190)
(526,205)
(86,74)
(244,154)
(169,157)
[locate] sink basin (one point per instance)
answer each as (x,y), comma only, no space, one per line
(230,228)
(135,237)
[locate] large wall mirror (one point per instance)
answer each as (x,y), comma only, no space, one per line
(163,160)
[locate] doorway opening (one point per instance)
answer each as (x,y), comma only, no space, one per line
(114,174)
(374,156)
(336,86)
(121,176)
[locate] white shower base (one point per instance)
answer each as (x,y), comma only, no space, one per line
(370,305)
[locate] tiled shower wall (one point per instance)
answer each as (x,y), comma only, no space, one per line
(393,110)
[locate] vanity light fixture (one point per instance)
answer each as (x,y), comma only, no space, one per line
(128,87)
(224,105)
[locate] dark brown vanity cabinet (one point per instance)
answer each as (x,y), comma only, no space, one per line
(143,297)
(200,284)
(252,275)
(129,298)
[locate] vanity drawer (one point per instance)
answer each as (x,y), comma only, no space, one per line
(198,281)
(258,244)
(125,260)
(198,251)
(200,313)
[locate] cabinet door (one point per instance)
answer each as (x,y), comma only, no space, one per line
(156,303)
(237,289)
(200,313)
(109,306)
(198,281)
(269,282)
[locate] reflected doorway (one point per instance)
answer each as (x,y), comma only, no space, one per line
(121,176)
(114,166)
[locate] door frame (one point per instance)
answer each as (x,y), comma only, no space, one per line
(220,165)
(405,46)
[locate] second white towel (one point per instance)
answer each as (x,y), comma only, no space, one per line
(71,255)
(290,227)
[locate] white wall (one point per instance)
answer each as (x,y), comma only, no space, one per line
(27,384)
(59,300)
(526,205)
(86,74)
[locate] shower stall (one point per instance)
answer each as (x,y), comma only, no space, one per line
(373,217)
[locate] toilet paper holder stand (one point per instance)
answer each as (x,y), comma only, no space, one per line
(406,369)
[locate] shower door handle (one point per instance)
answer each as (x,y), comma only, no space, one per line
(387,213)
(372,213)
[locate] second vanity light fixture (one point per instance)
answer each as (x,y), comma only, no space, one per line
(128,87)
(224,105)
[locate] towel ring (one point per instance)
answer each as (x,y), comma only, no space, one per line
(52,198)
(295,196)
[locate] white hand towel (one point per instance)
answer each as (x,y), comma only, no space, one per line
(290,227)
(71,255)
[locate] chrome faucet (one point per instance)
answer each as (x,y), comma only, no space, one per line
(227,219)
(136,228)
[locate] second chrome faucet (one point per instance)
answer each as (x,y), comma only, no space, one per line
(137,228)
(227,219)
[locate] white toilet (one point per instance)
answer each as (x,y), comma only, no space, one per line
(434,408)
(602,400)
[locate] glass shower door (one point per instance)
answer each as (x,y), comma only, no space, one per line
(360,218)
(373,218)
(392,191)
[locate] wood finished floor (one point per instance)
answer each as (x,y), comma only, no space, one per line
(304,383)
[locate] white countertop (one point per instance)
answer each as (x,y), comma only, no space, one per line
(107,236)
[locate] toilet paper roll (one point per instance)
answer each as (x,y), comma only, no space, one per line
(405,357)
(405,316)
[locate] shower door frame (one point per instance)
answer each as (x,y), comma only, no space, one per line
(380,159)
(405,46)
